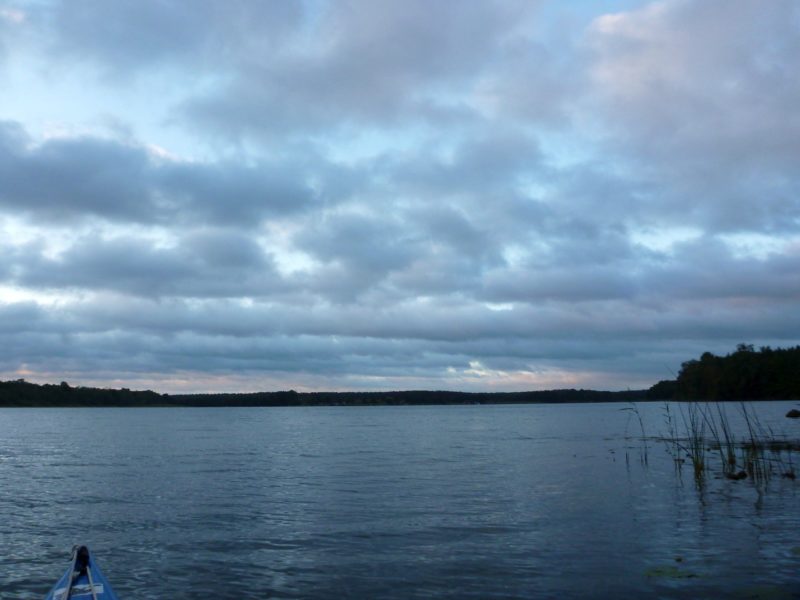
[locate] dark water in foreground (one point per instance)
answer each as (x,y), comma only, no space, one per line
(383,502)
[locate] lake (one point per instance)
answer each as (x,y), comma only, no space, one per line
(491,501)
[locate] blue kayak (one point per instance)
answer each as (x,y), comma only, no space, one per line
(82,580)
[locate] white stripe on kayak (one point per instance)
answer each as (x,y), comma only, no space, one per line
(79,590)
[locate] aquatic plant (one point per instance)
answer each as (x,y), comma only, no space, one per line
(694,424)
(634,410)
(674,447)
(685,443)
(705,427)
(726,442)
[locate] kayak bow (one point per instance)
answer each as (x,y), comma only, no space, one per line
(83,579)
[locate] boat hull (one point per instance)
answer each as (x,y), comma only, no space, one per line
(83,580)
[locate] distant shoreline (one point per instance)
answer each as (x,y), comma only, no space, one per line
(746,374)
(23,394)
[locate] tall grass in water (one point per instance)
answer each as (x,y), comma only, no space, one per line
(705,427)
(723,439)
(761,440)
(633,410)
(694,445)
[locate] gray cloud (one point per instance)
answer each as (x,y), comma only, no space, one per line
(366,243)
(697,94)
(204,264)
(231,193)
(486,163)
(76,176)
(213,339)
(383,63)
(705,269)
(357,252)
(368,60)
(21,317)
(70,178)
(402,194)
(573,285)
(131,35)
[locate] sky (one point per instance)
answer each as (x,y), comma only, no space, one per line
(471,195)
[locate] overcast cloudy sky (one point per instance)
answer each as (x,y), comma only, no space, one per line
(380,194)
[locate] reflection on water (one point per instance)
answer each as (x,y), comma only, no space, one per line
(390,502)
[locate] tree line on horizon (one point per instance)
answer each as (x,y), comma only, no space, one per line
(23,393)
(746,374)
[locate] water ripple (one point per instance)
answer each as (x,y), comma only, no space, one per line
(389,502)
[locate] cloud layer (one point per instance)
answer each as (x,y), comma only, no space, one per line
(372,195)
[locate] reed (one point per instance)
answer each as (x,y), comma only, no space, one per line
(694,424)
(633,410)
(726,441)
(705,427)
(674,446)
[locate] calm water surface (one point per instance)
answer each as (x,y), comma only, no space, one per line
(384,502)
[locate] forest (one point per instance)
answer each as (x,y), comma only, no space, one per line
(746,374)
